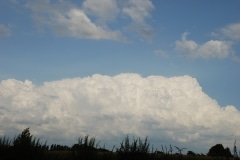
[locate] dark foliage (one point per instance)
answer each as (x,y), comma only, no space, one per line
(137,149)
(57,147)
(85,149)
(191,153)
(5,148)
(24,146)
(219,151)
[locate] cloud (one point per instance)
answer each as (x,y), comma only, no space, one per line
(105,10)
(139,11)
(208,50)
(67,19)
(161,53)
(14,1)
(4,31)
(231,31)
(174,110)
(91,19)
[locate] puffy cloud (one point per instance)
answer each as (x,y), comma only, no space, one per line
(174,110)
(90,19)
(138,11)
(4,31)
(207,50)
(67,19)
(231,31)
(104,10)
(73,26)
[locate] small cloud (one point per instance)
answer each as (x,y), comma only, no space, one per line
(104,10)
(231,31)
(161,53)
(139,11)
(208,50)
(4,31)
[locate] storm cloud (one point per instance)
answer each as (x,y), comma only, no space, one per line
(167,109)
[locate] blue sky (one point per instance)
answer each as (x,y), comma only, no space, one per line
(50,40)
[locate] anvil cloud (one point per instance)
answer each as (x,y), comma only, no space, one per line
(167,109)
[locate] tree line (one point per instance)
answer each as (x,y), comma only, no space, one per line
(26,147)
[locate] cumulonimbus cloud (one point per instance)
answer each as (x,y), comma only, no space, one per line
(174,110)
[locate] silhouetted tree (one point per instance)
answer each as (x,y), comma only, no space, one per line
(191,153)
(26,147)
(228,152)
(219,151)
(5,147)
(235,154)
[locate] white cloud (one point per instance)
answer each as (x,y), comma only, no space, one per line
(4,31)
(104,10)
(67,19)
(173,109)
(231,31)
(139,11)
(91,18)
(74,27)
(207,50)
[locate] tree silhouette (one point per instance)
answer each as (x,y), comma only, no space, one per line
(191,153)
(235,154)
(26,147)
(219,151)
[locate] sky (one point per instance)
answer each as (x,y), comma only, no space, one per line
(164,69)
